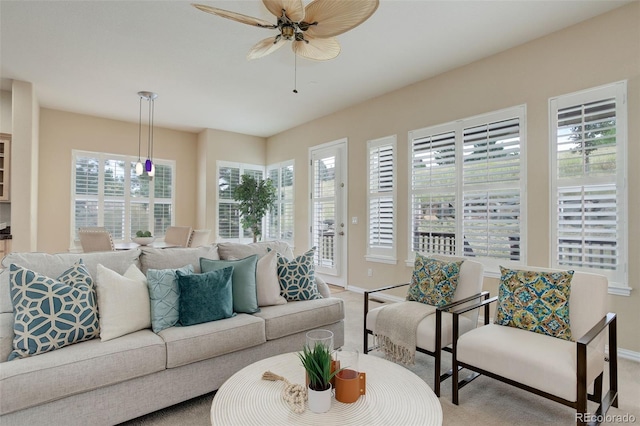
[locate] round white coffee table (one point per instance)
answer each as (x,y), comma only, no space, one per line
(395,396)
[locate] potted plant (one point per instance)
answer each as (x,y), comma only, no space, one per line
(255,197)
(317,364)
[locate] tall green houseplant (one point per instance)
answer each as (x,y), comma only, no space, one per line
(255,197)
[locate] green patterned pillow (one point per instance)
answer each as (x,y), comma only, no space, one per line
(297,277)
(165,296)
(535,301)
(52,313)
(433,281)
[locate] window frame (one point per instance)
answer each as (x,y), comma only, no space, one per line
(242,167)
(618,279)
(281,200)
(129,161)
(457,127)
(382,254)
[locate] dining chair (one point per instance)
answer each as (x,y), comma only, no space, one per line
(178,236)
(95,238)
(199,237)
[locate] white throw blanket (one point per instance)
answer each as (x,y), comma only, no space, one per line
(396,328)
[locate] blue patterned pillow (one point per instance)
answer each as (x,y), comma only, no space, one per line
(165,296)
(297,277)
(52,313)
(535,301)
(433,281)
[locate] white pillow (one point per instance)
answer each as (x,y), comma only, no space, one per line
(267,283)
(123,302)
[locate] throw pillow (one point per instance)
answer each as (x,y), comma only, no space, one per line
(297,277)
(535,301)
(52,313)
(245,298)
(205,297)
(267,283)
(123,302)
(164,294)
(433,281)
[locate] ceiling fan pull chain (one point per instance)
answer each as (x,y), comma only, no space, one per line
(295,73)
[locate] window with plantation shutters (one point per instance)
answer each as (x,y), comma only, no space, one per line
(381,235)
(467,185)
(229,225)
(588,174)
(280,218)
(107,192)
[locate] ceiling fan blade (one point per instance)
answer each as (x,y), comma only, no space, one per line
(264,47)
(336,17)
(294,8)
(238,17)
(318,49)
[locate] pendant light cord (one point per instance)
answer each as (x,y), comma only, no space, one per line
(139,128)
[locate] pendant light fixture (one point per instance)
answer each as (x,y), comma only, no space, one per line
(148,166)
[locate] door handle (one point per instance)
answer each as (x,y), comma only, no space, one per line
(341,233)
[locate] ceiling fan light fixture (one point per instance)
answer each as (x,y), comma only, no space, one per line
(287,32)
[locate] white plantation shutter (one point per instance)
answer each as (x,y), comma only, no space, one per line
(589,194)
(467,181)
(280,219)
(107,192)
(229,175)
(382,198)
(434,188)
(491,189)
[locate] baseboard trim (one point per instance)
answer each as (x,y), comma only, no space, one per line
(622,353)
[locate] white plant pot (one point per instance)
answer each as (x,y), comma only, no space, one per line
(319,401)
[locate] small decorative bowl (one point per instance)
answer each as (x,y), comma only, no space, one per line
(143,241)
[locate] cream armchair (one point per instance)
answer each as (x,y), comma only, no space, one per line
(560,370)
(434,332)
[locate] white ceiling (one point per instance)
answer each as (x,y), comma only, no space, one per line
(92,57)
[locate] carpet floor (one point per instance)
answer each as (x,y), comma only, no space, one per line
(483,402)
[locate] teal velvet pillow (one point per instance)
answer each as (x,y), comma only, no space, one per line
(164,294)
(245,296)
(433,281)
(297,277)
(205,297)
(52,313)
(535,301)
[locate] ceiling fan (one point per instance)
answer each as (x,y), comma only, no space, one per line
(311,29)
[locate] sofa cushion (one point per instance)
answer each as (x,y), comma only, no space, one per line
(123,302)
(205,297)
(297,277)
(297,316)
(52,313)
(173,258)
(52,265)
(433,281)
(267,282)
(533,359)
(164,294)
(186,345)
(245,297)
(6,335)
(79,368)
(536,301)
(232,251)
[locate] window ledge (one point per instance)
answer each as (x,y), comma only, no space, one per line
(382,259)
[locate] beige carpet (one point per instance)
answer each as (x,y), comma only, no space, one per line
(482,402)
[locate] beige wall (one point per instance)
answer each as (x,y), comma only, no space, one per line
(61,132)
(5,111)
(596,52)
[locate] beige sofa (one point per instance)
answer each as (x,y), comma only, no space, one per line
(108,382)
